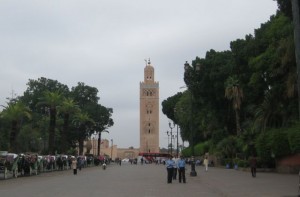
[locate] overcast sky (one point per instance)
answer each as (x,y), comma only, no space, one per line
(104,43)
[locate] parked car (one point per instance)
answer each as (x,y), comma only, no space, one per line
(125,160)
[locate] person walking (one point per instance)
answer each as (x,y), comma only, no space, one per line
(175,167)
(74,166)
(253,163)
(205,162)
(181,169)
(170,166)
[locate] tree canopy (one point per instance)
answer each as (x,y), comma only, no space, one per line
(239,94)
(61,117)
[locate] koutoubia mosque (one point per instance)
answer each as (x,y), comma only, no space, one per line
(149,123)
(149,111)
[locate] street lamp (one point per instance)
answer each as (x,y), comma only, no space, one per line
(168,141)
(177,151)
(189,76)
(93,145)
(170,125)
(99,143)
(111,151)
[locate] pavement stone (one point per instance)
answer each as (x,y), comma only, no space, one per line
(150,180)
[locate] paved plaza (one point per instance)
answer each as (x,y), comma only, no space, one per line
(150,181)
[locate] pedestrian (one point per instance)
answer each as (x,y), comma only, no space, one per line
(170,166)
(78,163)
(74,166)
(181,169)
(253,164)
(81,163)
(205,162)
(175,168)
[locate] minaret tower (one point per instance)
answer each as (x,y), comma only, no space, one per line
(149,111)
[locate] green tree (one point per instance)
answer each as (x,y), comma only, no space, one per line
(87,99)
(51,100)
(67,108)
(285,6)
(182,115)
(102,118)
(35,90)
(296,22)
(15,112)
(83,95)
(234,92)
(83,124)
(169,106)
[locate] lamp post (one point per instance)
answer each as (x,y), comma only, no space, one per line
(168,141)
(99,142)
(190,77)
(177,150)
(111,151)
(170,125)
(93,145)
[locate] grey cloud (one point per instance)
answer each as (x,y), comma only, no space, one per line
(104,43)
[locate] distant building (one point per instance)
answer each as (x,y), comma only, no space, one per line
(111,150)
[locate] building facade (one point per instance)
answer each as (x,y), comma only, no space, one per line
(109,149)
(149,111)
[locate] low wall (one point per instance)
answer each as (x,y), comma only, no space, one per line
(289,164)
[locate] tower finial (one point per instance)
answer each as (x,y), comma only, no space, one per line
(149,62)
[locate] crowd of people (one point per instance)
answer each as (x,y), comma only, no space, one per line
(176,165)
(173,165)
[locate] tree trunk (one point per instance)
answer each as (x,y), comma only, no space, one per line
(81,141)
(52,130)
(13,134)
(237,120)
(64,133)
(99,143)
(296,22)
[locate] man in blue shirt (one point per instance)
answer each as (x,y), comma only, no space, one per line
(170,165)
(181,169)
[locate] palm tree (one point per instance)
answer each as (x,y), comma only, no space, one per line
(264,112)
(67,108)
(83,123)
(99,139)
(234,92)
(296,22)
(51,100)
(14,113)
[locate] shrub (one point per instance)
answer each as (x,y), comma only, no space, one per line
(294,138)
(201,148)
(228,147)
(243,163)
(187,152)
(263,148)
